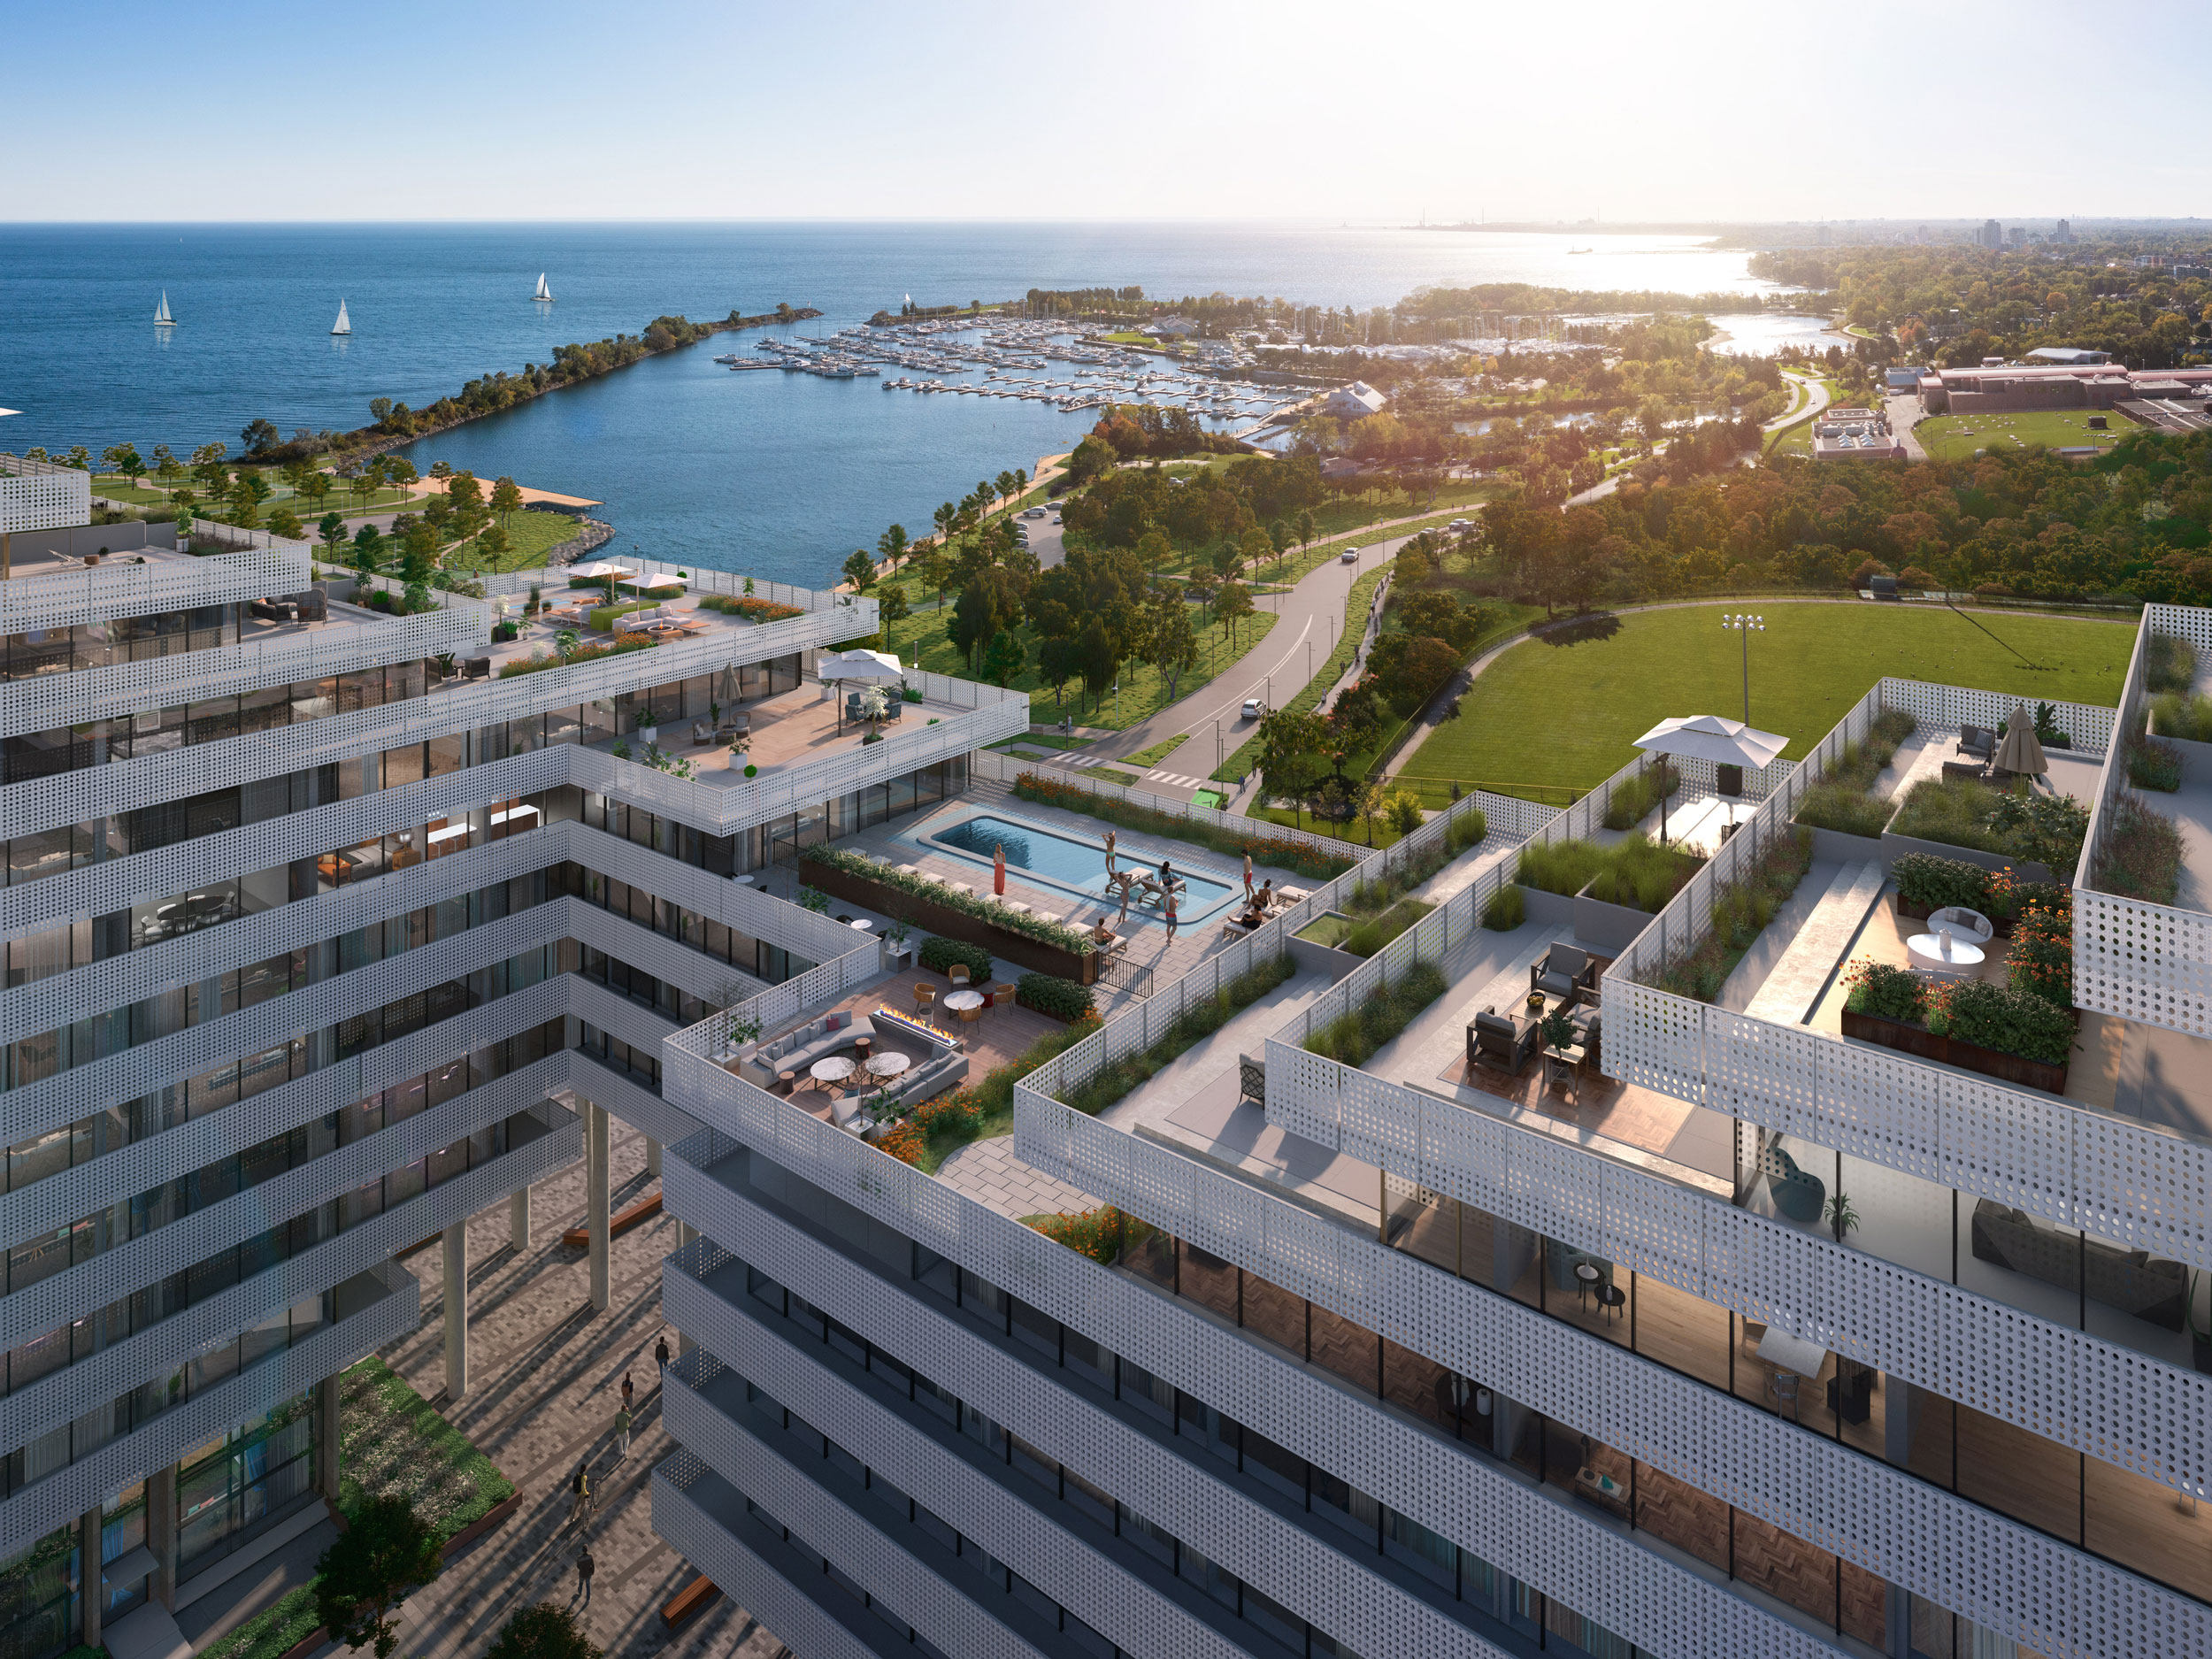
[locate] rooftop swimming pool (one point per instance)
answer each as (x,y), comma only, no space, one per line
(1074,864)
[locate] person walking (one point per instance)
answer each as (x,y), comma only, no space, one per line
(1248,875)
(622,1434)
(1170,916)
(579,1493)
(660,1354)
(585,1567)
(629,1391)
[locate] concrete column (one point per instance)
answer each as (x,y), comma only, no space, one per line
(457,1310)
(518,1219)
(93,1597)
(326,1426)
(685,1233)
(161,1532)
(652,1157)
(596,1208)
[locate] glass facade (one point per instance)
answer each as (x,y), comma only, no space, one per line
(226,1489)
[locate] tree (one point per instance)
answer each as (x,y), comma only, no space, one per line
(437,514)
(441,469)
(1007,486)
(891,545)
(399,470)
(544,1630)
(418,548)
(368,551)
(244,507)
(1257,546)
(314,487)
(1003,662)
(1170,645)
(976,617)
(942,517)
(1059,659)
(260,436)
(1098,658)
(860,570)
(1232,605)
(122,460)
(333,532)
(1307,530)
(506,498)
(891,601)
(491,541)
(1402,808)
(361,1579)
(1021,480)
(286,523)
(1293,751)
(936,569)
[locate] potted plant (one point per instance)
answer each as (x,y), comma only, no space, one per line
(1841,1217)
(739,1032)
(894,944)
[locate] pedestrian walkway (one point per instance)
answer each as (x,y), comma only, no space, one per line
(1178,779)
(545,1383)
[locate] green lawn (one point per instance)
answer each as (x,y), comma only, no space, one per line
(529,534)
(1956,437)
(147,492)
(1546,716)
(921,639)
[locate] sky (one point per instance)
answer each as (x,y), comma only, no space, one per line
(1382,112)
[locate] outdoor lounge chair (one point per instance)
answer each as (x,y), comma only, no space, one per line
(1565,970)
(1964,768)
(1978,741)
(1800,1195)
(1502,1040)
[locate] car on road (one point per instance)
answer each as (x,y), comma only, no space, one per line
(1459,526)
(1254,710)
(1056,518)
(1350,555)
(1034,512)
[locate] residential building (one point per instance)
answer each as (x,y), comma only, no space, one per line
(327,929)
(1355,401)
(1992,234)
(1436,1353)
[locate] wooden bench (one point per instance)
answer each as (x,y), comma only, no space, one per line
(618,1223)
(698,1593)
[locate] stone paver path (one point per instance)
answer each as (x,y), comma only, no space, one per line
(545,1383)
(988,1171)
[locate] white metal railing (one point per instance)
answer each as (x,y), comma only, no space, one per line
(862,611)
(2135,959)
(40,496)
(174,582)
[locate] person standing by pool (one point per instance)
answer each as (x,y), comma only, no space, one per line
(1248,875)
(1171,913)
(1110,852)
(998,870)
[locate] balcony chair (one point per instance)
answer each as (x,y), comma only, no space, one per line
(1797,1194)
(1565,970)
(1502,1040)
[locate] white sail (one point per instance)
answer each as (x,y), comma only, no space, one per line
(341,326)
(161,311)
(544,292)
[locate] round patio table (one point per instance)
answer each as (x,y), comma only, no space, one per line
(960,1002)
(1954,952)
(836,1069)
(890,1064)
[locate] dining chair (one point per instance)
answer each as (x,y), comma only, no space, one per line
(924,998)
(958,973)
(969,1016)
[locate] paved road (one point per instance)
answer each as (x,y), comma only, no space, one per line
(1904,409)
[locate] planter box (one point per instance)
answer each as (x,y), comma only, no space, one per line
(934,917)
(1895,847)
(1923,1043)
(1607,928)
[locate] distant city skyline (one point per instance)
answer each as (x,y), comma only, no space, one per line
(1393,114)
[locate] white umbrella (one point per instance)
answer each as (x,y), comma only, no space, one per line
(598,570)
(1711,737)
(861,664)
(662,578)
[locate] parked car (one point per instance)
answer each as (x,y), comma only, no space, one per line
(1459,526)
(1350,555)
(1056,518)
(1034,512)
(1255,710)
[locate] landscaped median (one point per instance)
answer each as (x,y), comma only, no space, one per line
(392,1443)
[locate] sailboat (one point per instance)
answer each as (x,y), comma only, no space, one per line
(544,292)
(162,320)
(342,326)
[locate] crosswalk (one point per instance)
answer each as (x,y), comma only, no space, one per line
(1177,778)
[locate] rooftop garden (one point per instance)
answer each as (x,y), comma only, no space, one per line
(2139,854)
(936,1129)
(1354,1036)
(2024,824)
(1844,799)
(1198,1021)
(1740,912)
(1076,941)
(1634,872)
(2169,665)
(1633,798)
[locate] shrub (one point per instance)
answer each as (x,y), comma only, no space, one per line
(2169,664)
(1951,809)
(2179,714)
(903,1141)
(2153,764)
(1054,998)
(602,617)
(1741,911)
(2045,829)
(1076,941)
(1642,875)
(2139,855)
(1096,1233)
(1935,884)
(753,609)
(1280,851)
(1471,828)
(2041,960)
(2008,1020)
(1844,800)
(1371,936)
(1559,866)
(1198,1020)
(1354,1036)
(1633,798)
(1884,991)
(938,954)
(536,662)
(2008,896)
(1506,911)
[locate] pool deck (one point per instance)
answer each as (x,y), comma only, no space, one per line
(1088,852)
(1149,944)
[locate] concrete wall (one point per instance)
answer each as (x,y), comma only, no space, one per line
(79,540)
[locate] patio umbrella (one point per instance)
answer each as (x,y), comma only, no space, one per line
(859,665)
(598,570)
(660,579)
(1711,737)
(2020,751)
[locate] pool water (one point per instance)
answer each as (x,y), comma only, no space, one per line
(1049,858)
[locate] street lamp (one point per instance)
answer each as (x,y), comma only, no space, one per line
(1747,626)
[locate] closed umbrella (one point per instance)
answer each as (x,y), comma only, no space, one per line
(2020,751)
(1714,738)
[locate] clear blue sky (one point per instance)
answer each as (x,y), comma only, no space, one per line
(569,108)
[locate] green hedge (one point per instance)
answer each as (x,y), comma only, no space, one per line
(270,1633)
(938,954)
(1936,884)
(1387,1010)
(1507,909)
(602,617)
(1054,997)
(1077,940)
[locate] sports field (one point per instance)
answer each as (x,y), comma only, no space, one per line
(1547,715)
(1956,437)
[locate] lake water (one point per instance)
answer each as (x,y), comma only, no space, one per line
(781,475)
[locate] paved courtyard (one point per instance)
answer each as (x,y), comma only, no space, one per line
(545,1383)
